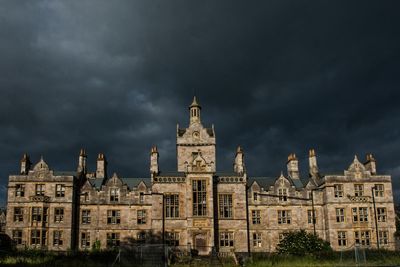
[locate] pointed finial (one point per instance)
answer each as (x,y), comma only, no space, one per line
(194,102)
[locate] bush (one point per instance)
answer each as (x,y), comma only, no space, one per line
(301,243)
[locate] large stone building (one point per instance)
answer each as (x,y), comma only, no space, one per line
(197,206)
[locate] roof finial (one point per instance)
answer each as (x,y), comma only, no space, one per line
(194,102)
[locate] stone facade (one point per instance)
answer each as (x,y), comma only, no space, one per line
(196,206)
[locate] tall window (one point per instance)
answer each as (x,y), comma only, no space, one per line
(257,240)
(141,217)
(199,198)
(57,238)
(361,215)
(255,196)
(284,217)
(19,190)
(17,236)
(381,214)
(282,236)
(114,194)
(141,237)
(35,237)
(358,190)
(383,237)
(38,237)
(340,215)
(86,217)
(18,214)
(113,216)
(226,239)
(58,215)
(342,238)
(379,190)
(282,193)
(172,239)
(60,190)
(310,216)
(172,205)
(141,198)
(256,216)
(225,206)
(36,214)
(85,239)
(338,190)
(113,240)
(362,238)
(39,189)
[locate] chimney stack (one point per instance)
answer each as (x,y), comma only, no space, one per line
(238,166)
(293,166)
(101,171)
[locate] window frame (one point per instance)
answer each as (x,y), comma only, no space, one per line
(199,193)
(225,206)
(60,190)
(113,216)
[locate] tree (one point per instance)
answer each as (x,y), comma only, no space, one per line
(301,243)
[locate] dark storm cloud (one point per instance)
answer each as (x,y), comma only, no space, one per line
(275,77)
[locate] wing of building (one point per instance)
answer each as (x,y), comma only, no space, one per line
(197,207)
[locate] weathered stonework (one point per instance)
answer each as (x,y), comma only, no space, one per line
(196,206)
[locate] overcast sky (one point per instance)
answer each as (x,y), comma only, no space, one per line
(275,77)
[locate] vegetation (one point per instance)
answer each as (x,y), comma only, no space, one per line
(301,243)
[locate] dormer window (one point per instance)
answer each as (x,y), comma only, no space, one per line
(114,194)
(282,193)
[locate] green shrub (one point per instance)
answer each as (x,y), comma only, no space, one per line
(301,243)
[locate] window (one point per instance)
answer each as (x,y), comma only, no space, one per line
(342,238)
(282,193)
(362,238)
(225,205)
(199,198)
(379,189)
(35,237)
(172,206)
(112,240)
(381,214)
(141,237)
(19,190)
(58,215)
(141,217)
(310,217)
(60,190)
(257,240)
(17,236)
(282,236)
(361,216)
(86,197)
(57,238)
(172,239)
(38,237)
(226,239)
(284,216)
(340,215)
(141,198)
(114,194)
(256,216)
(36,214)
(39,190)
(255,197)
(358,190)
(18,214)
(113,216)
(85,239)
(383,237)
(85,216)
(338,190)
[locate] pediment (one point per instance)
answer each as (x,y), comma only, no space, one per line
(357,169)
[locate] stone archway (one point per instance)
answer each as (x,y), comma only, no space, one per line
(200,243)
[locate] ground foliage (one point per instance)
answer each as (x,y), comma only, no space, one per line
(301,243)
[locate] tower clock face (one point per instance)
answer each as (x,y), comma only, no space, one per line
(196,135)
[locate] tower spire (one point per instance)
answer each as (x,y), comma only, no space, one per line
(194,110)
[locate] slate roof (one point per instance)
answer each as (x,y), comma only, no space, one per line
(132,182)
(262,181)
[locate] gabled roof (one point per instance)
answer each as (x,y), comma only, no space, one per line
(133,182)
(262,181)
